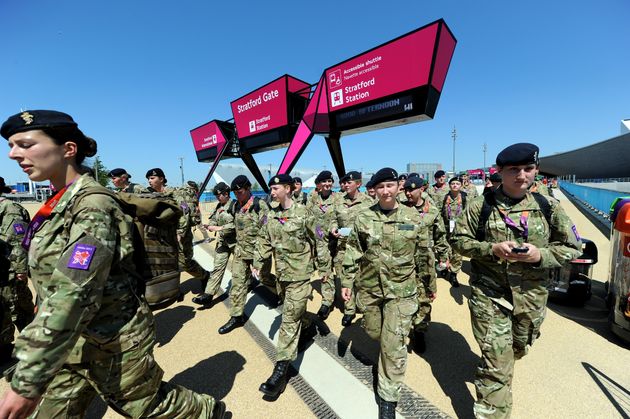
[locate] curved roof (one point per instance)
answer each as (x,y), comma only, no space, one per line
(606,159)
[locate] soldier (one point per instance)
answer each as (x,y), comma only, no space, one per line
(401,189)
(432,227)
(94,332)
(439,189)
(299,195)
(120,179)
(222,223)
(17,300)
(250,213)
(320,208)
(345,210)
(382,262)
(540,187)
(190,193)
(513,237)
(453,205)
(157,182)
(468,186)
(369,190)
(289,234)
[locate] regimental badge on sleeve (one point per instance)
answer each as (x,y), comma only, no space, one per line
(81,256)
(19,229)
(84,258)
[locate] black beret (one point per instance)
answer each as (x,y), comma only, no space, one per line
(297,179)
(496,177)
(455,179)
(403,176)
(239,182)
(40,119)
(413,174)
(517,154)
(353,175)
(323,175)
(155,172)
(414,182)
(281,179)
(220,188)
(439,173)
(384,175)
(369,184)
(191,183)
(118,172)
(3,186)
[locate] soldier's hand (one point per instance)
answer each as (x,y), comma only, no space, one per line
(432,296)
(255,272)
(503,250)
(346,294)
(335,233)
(532,256)
(324,278)
(21,277)
(15,406)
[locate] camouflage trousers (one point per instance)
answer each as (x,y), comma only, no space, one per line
(241,278)
(16,303)
(295,298)
(455,262)
(388,321)
(222,255)
(503,337)
(422,318)
(329,288)
(185,256)
(131,384)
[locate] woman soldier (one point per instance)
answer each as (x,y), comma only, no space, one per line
(289,233)
(93,332)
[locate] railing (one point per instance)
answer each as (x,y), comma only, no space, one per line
(597,198)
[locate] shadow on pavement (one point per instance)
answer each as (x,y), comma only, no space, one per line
(190,285)
(453,365)
(616,393)
(362,347)
(214,376)
(169,322)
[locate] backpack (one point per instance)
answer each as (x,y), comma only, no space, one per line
(255,206)
(490,202)
(155,218)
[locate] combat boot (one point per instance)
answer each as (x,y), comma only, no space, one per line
(233,323)
(386,410)
(347,319)
(323,312)
(453,280)
(203,299)
(276,384)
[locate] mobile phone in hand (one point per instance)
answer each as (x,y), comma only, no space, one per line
(519,250)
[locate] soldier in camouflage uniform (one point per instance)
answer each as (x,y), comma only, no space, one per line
(157,182)
(15,296)
(222,223)
(512,248)
(369,190)
(93,333)
(439,189)
(468,186)
(249,215)
(453,205)
(540,187)
(433,227)
(345,210)
(289,234)
(299,196)
(120,179)
(320,207)
(402,178)
(383,257)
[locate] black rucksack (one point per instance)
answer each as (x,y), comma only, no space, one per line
(490,202)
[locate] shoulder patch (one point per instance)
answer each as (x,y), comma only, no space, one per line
(18,228)
(83,259)
(81,256)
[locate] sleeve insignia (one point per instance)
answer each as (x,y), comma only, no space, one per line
(81,256)
(18,228)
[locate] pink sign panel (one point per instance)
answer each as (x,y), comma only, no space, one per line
(266,108)
(402,64)
(207,136)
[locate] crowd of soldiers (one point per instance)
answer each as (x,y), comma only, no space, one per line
(381,252)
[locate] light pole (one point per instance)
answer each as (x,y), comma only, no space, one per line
(485,149)
(454,135)
(181,168)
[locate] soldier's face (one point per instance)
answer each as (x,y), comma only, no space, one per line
(223,197)
(440,180)
(517,179)
(455,186)
(351,186)
(38,155)
(242,194)
(156,182)
(371,192)
(119,181)
(413,195)
(297,186)
(386,192)
(325,185)
(279,192)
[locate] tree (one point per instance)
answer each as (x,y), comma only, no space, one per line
(100,172)
(256,187)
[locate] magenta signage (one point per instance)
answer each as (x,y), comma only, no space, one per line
(268,108)
(209,140)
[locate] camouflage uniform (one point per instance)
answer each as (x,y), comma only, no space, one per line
(438,194)
(247,222)
(300,197)
(451,209)
(185,235)
(345,211)
(289,234)
(508,300)
(433,226)
(92,334)
(226,242)
(541,188)
(382,262)
(322,212)
(16,299)
(471,190)
(133,188)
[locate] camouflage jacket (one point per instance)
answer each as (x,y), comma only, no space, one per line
(322,210)
(344,213)
(13,225)
(388,250)
(88,308)
(471,190)
(247,222)
(541,188)
(133,188)
(438,244)
(558,243)
(438,194)
(289,234)
(300,197)
(222,217)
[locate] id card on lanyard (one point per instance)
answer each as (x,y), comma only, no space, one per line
(451,225)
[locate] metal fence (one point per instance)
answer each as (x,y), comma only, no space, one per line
(599,199)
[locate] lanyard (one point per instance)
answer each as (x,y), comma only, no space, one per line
(449,199)
(523,229)
(41,216)
(247,205)
(425,208)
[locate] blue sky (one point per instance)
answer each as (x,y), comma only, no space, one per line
(138,75)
